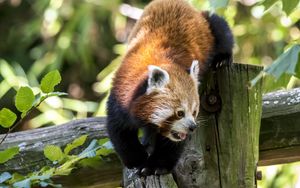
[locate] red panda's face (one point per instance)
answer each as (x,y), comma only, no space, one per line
(171,101)
(176,118)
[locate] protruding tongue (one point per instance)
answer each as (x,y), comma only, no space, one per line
(182,136)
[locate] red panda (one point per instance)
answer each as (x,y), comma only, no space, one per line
(156,87)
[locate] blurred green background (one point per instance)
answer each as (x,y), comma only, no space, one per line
(85,41)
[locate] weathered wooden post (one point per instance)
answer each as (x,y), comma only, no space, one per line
(224,151)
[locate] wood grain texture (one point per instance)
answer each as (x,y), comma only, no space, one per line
(131,180)
(224,150)
(279,103)
(238,126)
(280,131)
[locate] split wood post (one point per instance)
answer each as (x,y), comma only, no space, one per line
(224,151)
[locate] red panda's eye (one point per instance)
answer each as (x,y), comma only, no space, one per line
(180,114)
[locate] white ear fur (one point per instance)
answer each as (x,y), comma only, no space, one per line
(194,70)
(157,78)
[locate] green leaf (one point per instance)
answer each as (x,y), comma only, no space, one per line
(8,154)
(64,171)
(47,170)
(103,141)
(285,63)
(24,99)
(215,4)
(67,167)
(5,176)
(7,118)
(269,3)
(289,5)
(104,151)
(50,80)
(94,162)
(108,145)
(53,153)
(42,177)
(15,178)
(90,151)
(22,184)
(76,143)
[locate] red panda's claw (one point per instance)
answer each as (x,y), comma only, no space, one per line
(146,171)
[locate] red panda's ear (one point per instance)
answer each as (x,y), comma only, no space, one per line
(194,71)
(157,78)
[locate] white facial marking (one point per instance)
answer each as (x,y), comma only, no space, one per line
(160,115)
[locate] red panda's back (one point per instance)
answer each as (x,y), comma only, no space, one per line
(169,31)
(182,31)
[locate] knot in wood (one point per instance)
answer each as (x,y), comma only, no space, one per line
(211,102)
(212,99)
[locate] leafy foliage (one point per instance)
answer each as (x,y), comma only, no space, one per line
(288,6)
(285,63)
(63,163)
(26,100)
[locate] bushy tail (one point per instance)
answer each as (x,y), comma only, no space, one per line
(223,38)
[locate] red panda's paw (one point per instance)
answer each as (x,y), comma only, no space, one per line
(155,167)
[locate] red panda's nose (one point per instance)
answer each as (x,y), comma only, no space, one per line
(192,126)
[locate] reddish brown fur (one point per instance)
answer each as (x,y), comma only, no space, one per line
(168,39)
